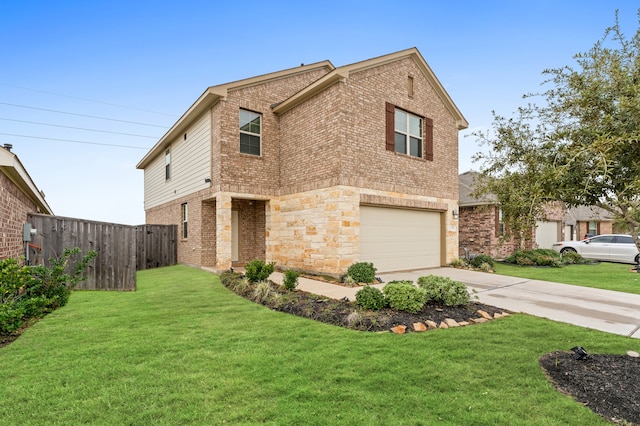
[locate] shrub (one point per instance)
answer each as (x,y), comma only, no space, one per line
(538,257)
(480,259)
(349,281)
(290,280)
(33,291)
(370,298)
(404,296)
(362,272)
(230,279)
(444,290)
(258,270)
(573,258)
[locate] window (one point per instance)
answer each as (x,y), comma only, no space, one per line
(499,222)
(185,220)
(250,132)
(593,227)
(167,164)
(408,133)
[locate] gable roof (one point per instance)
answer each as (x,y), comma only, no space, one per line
(11,166)
(588,213)
(466,186)
(214,94)
(342,73)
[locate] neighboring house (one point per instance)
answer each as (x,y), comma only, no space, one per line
(314,168)
(481,227)
(585,220)
(18,196)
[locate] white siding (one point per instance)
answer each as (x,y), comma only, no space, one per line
(190,166)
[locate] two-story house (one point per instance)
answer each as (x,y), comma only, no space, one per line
(315,168)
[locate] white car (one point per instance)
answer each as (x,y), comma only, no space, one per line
(606,247)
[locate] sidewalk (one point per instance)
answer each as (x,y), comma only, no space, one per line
(604,310)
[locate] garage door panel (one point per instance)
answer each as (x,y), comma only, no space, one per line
(397,239)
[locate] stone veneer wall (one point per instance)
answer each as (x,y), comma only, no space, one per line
(319,230)
(14,206)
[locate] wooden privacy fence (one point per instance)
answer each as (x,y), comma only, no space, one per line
(122,249)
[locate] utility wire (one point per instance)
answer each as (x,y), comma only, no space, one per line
(82,115)
(88,100)
(72,141)
(78,128)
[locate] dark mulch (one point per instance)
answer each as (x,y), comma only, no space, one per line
(607,384)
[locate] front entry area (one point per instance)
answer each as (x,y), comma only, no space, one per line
(248,235)
(400,239)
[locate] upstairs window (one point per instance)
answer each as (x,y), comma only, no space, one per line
(250,132)
(408,133)
(167,164)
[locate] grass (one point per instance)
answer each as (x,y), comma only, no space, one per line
(185,350)
(607,276)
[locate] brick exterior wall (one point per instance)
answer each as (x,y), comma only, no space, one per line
(14,206)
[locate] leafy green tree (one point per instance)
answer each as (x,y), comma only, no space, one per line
(581,146)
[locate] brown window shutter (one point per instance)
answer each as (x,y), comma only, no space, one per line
(390,118)
(497,220)
(428,139)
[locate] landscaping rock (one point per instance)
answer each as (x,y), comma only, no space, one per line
(484,314)
(451,322)
(418,326)
(399,329)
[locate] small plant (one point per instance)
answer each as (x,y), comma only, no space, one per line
(354,319)
(404,296)
(458,263)
(478,260)
(349,281)
(362,272)
(485,267)
(262,291)
(258,270)
(290,281)
(370,298)
(444,290)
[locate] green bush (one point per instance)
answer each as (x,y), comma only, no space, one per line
(537,257)
(444,290)
(33,291)
(362,272)
(477,261)
(404,296)
(290,280)
(573,258)
(257,270)
(370,298)
(230,279)
(458,263)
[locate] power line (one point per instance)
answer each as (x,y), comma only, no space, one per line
(78,128)
(72,141)
(82,115)
(88,100)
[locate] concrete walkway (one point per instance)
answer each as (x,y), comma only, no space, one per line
(609,311)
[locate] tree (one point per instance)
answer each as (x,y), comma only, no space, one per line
(584,140)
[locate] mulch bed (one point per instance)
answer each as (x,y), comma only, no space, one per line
(608,384)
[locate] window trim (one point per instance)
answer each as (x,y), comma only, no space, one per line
(184,211)
(241,132)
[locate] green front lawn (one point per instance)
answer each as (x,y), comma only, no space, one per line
(607,276)
(185,350)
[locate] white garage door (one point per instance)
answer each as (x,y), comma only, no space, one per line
(547,233)
(397,239)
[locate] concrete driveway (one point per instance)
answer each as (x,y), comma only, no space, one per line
(604,310)
(609,311)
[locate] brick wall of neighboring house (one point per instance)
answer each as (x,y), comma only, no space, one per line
(477,234)
(603,227)
(14,206)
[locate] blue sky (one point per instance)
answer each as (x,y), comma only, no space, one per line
(132,68)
